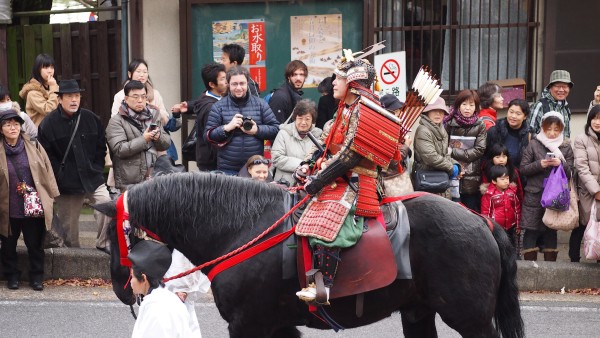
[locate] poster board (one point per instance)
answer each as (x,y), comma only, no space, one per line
(512,89)
(277,23)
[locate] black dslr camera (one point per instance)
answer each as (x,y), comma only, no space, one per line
(247,123)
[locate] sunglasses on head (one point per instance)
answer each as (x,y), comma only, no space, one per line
(265,161)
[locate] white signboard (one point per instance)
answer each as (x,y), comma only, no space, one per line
(391,73)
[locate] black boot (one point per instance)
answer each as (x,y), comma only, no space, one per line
(36,283)
(13,282)
(326,260)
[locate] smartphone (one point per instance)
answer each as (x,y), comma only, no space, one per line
(550,156)
(153,126)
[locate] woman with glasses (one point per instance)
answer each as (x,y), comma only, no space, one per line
(138,71)
(39,93)
(291,144)
(24,166)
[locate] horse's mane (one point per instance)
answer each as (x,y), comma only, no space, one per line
(209,203)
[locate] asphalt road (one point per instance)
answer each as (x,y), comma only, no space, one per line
(93,312)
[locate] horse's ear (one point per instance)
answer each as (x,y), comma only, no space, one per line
(107,208)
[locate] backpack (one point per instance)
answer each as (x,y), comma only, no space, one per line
(268,96)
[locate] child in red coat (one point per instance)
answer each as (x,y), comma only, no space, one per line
(501,202)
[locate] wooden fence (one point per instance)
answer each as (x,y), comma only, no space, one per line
(88,52)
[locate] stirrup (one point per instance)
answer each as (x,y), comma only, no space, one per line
(309,294)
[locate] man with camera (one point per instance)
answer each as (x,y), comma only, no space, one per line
(73,138)
(134,136)
(239,123)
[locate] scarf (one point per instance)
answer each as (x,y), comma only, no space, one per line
(17,149)
(142,117)
(552,144)
(462,121)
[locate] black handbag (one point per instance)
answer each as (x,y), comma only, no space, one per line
(431,181)
(188,149)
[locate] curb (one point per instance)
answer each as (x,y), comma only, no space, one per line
(553,276)
(68,263)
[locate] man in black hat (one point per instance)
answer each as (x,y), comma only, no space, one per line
(74,139)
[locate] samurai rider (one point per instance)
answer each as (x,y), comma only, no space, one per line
(347,186)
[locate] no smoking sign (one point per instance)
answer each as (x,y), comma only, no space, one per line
(391,74)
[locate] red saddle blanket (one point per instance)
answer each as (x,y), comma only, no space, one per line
(368,265)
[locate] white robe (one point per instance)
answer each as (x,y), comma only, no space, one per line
(192,284)
(162,314)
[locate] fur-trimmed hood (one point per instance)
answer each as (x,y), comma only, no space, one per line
(33,85)
(484,188)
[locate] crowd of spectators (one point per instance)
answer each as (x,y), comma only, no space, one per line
(498,164)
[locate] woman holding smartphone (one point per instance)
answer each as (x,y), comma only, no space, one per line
(546,150)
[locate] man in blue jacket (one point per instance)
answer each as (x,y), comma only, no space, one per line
(239,124)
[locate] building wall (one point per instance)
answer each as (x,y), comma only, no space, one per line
(161,50)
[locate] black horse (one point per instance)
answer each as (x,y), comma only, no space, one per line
(461,270)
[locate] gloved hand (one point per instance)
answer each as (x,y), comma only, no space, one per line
(301,173)
(314,185)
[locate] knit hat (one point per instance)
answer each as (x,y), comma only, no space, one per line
(560,76)
(438,104)
(150,258)
(391,102)
(554,114)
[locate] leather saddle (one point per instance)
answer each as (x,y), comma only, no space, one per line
(368,265)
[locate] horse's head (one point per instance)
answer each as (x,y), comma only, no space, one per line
(119,274)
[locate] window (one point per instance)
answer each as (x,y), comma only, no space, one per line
(465,42)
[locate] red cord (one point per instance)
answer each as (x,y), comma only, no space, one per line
(243,247)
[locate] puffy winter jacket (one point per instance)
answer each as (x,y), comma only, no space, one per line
(531,167)
(289,149)
(129,149)
(431,147)
(502,206)
(470,159)
(236,147)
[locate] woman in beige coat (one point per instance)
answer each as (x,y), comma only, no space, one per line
(39,93)
(22,160)
(587,164)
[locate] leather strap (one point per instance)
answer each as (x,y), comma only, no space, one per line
(62,163)
(360,304)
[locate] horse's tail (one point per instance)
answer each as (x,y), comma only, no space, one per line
(507,316)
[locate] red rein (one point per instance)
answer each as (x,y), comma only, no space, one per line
(232,258)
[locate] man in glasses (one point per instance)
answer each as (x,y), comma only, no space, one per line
(73,138)
(134,136)
(239,123)
(553,98)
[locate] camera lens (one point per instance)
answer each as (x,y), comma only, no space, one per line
(247,124)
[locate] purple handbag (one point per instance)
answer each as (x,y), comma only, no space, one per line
(556,190)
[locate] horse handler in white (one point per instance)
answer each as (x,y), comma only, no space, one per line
(162,313)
